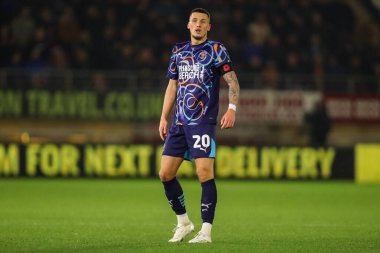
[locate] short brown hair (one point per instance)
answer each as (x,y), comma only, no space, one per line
(201,10)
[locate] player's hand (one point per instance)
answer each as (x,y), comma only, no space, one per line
(228,119)
(163,129)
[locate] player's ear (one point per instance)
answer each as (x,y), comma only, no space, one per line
(209,27)
(188,25)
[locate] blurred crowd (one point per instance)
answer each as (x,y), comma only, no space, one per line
(313,37)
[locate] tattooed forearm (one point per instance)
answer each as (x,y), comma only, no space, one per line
(234,87)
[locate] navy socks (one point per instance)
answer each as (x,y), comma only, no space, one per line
(208,202)
(176,198)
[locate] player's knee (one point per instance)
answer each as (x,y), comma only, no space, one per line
(165,175)
(204,174)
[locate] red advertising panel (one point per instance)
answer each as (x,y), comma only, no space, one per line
(273,107)
(354,108)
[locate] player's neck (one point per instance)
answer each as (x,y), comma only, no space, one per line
(195,41)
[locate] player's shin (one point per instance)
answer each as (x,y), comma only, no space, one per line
(176,198)
(208,205)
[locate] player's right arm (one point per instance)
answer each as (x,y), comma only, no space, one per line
(170,96)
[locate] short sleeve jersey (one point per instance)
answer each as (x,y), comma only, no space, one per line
(197,70)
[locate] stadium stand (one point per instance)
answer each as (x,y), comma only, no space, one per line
(274,44)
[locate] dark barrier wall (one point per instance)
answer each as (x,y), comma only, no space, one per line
(124,161)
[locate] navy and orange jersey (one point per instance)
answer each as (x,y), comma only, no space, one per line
(197,68)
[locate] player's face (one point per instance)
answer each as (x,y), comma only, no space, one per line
(199,25)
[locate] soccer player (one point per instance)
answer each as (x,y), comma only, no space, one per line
(194,71)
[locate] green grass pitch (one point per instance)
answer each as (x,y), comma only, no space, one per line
(103,215)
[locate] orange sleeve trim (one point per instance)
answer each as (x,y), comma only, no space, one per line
(216,48)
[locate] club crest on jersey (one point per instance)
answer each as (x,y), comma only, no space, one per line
(202,55)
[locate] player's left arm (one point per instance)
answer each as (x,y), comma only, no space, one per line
(228,119)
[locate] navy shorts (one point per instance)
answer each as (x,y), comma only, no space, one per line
(190,142)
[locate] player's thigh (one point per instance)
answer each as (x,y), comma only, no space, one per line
(205,168)
(169,167)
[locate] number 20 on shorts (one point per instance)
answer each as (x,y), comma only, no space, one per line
(201,142)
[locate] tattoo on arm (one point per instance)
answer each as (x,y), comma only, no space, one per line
(234,87)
